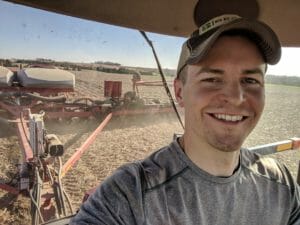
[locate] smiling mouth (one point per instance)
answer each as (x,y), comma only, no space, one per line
(228,118)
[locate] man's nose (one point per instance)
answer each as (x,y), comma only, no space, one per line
(234,93)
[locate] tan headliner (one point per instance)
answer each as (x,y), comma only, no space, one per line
(171,17)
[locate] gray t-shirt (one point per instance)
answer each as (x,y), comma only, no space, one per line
(168,188)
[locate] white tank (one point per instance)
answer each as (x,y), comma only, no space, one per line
(6,77)
(46,78)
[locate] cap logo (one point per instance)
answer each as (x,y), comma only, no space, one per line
(216,22)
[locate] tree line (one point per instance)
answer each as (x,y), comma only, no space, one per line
(283,80)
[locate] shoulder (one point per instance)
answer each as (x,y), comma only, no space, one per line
(267,167)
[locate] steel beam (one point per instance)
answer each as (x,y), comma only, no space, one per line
(9,189)
(291,144)
(24,140)
(76,156)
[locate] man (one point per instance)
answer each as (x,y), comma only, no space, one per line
(204,177)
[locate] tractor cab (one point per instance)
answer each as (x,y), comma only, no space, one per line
(33,94)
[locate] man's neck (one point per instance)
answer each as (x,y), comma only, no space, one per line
(214,161)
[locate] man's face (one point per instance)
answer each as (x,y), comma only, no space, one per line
(223,95)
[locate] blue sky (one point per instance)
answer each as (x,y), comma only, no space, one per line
(31,33)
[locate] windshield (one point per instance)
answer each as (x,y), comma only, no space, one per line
(105,70)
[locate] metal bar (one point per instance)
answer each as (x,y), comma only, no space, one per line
(76,156)
(293,143)
(9,189)
(23,140)
(14,110)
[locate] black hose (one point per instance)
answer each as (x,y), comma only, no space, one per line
(60,189)
(35,199)
(163,77)
(69,201)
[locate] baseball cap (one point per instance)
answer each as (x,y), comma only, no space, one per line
(200,42)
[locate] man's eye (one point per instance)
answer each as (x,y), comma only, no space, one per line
(212,80)
(249,80)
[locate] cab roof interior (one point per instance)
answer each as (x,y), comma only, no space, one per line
(171,17)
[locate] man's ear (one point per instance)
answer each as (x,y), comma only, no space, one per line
(178,88)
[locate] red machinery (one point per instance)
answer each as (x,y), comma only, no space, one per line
(29,96)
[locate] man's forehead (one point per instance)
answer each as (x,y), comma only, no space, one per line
(212,69)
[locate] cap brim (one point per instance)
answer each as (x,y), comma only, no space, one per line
(267,40)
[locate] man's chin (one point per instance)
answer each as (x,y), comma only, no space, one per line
(227,145)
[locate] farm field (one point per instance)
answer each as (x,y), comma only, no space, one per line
(134,137)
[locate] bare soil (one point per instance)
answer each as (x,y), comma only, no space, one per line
(133,137)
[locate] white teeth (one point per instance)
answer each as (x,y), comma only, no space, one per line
(228,117)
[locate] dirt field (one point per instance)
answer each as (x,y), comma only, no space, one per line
(134,137)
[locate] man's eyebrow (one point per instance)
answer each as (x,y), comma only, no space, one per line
(257,70)
(254,71)
(210,70)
